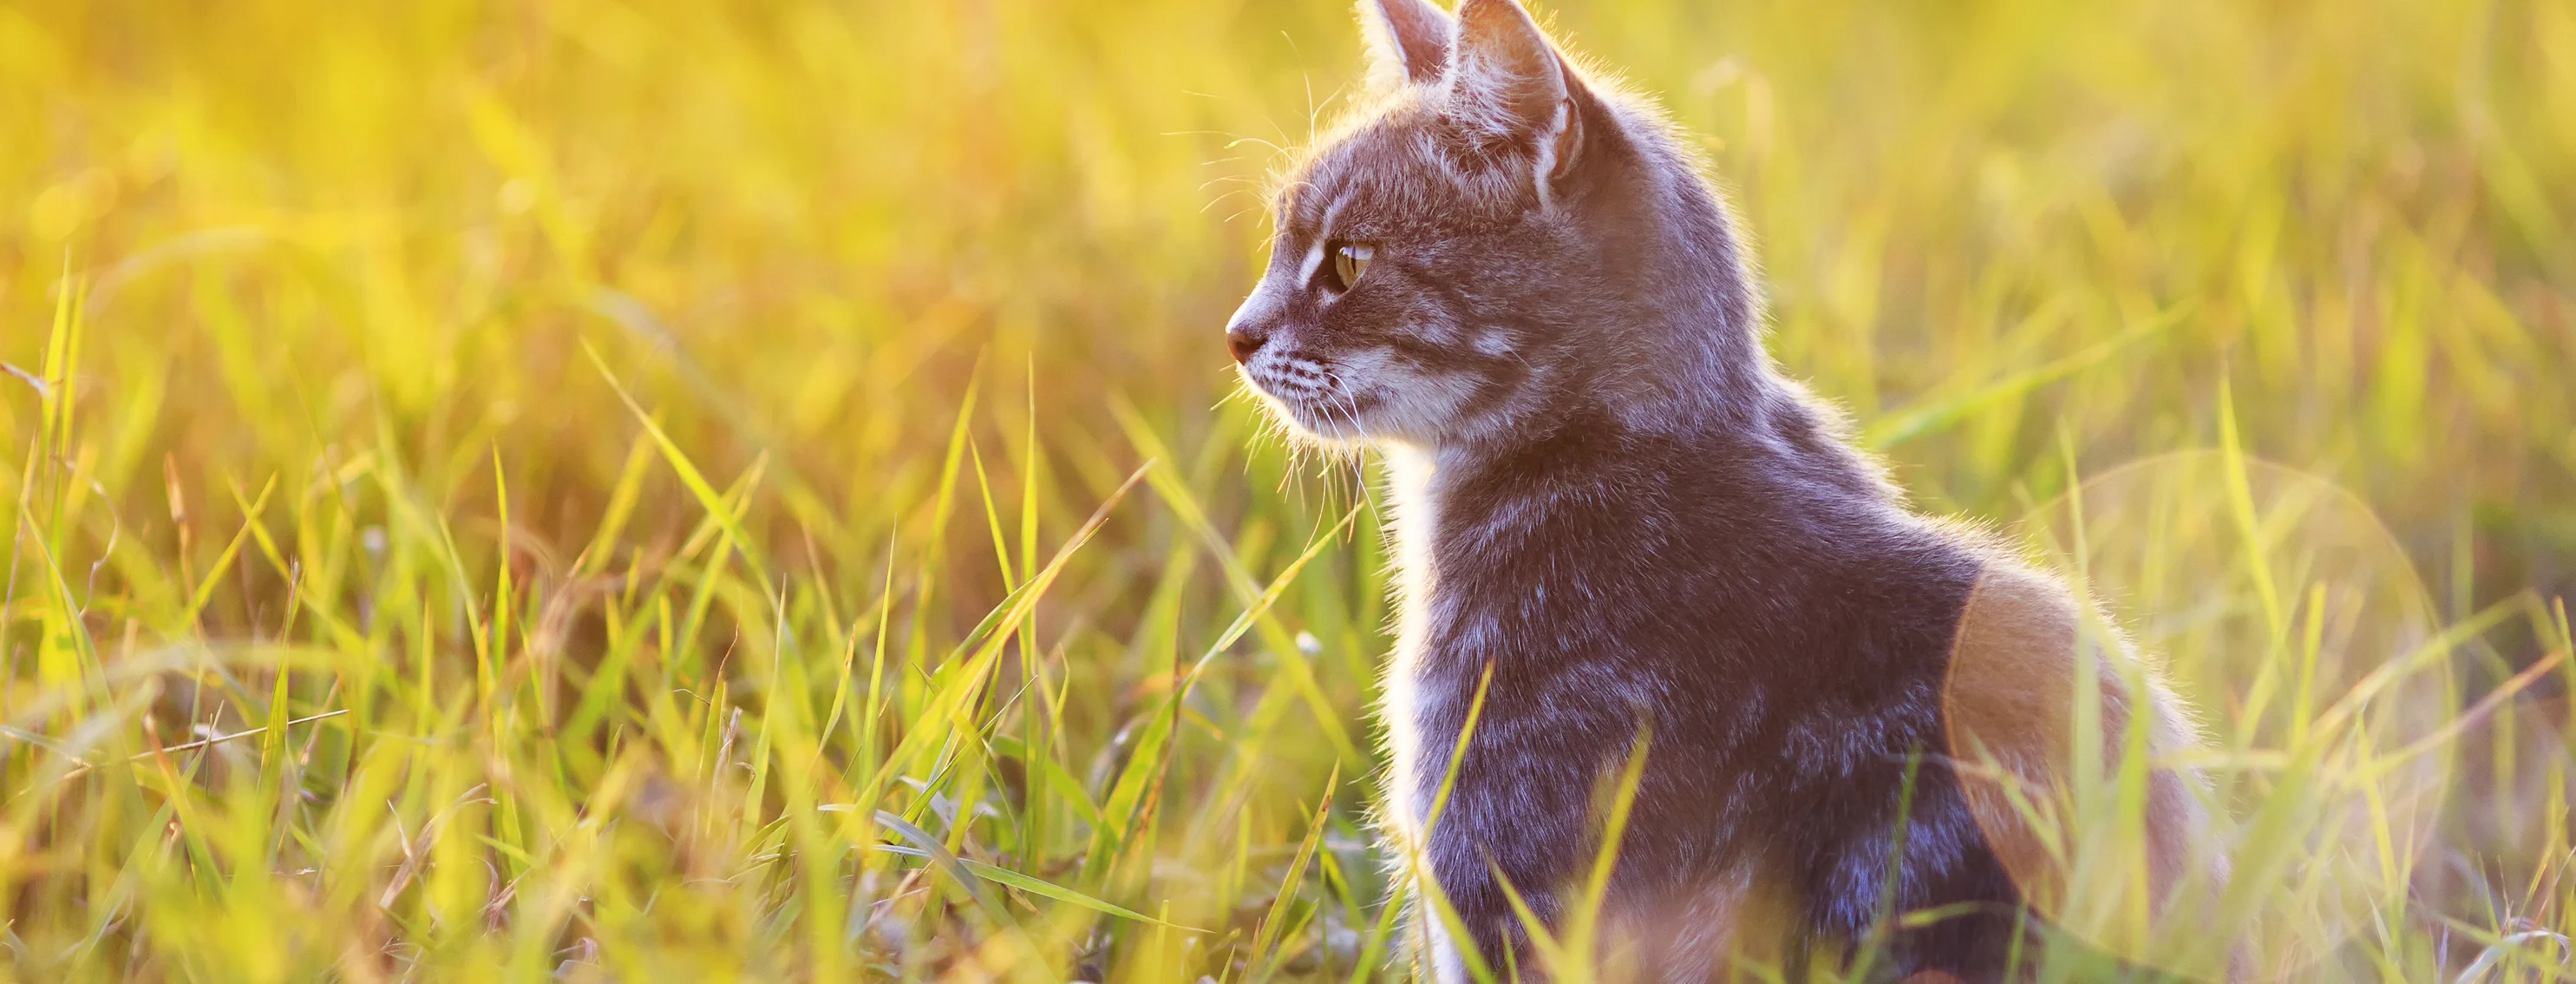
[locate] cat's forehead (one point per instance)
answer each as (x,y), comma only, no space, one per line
(1389,169)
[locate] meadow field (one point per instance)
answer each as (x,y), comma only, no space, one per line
(655,490)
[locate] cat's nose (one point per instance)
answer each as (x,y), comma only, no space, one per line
(1243,340)
(1249,329)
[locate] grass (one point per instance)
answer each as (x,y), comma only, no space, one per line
(649,490)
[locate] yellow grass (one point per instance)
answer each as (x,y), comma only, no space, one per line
(667,491)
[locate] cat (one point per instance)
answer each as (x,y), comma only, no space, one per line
(1616,520)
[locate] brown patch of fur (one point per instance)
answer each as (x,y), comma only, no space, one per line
(2011,703)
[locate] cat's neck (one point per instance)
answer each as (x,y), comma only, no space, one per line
(1772,444)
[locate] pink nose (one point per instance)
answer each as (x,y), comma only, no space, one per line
(1243,341)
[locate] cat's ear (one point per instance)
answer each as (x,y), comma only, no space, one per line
(1507,79)
(1408,40)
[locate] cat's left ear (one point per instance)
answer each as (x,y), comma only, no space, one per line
(1408,39)
(1506,79)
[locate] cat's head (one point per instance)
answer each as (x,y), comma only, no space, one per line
(1494,242)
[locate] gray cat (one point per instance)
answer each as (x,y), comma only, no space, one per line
(1511,281)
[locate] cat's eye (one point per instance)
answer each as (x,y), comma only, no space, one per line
(1349,261)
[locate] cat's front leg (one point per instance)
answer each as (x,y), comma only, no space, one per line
(1489,935)
(1493,851)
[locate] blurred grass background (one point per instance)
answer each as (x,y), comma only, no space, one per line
(302,299)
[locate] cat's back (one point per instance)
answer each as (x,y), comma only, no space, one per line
(1695,549)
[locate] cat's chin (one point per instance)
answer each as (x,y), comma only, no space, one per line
(1330,426)
(1337,424)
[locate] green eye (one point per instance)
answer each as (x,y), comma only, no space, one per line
(1349,261)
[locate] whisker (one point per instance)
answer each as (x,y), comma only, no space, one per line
(1277,148)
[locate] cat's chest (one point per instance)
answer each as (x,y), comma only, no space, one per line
(1447,631)
(1549,597)
(1425,702)
(1415,695)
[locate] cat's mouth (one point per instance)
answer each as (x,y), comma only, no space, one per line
(1314,397)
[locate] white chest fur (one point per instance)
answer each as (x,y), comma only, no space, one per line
(1409,474)
(1415,767)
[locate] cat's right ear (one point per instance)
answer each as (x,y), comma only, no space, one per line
(1408,40)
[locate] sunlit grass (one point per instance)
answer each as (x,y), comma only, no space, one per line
(708,491)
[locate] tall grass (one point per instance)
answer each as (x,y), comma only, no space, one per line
(649,490)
